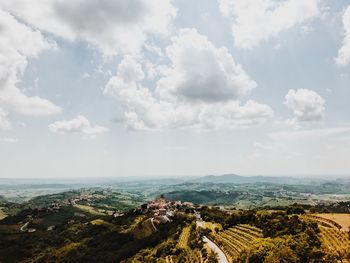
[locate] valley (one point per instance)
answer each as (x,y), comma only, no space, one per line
(206,224)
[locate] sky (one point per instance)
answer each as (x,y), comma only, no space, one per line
(115,88)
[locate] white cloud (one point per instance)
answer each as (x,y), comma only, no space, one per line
(111,25)
(199,89)
(306,104)
(255,21)
(202,72)
(18,43)
(78,125)
(343,57)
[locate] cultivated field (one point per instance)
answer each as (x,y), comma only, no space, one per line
(334,233)
(191,256)
(234,240)
(89,209)
(335,242)
(342,219)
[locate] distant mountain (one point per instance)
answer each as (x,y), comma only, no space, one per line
(238,179)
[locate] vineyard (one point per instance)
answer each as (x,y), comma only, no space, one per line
(335,240)
(325,222)
(342,220)
(234,240)
(183,239)
(183,243)
(169,259)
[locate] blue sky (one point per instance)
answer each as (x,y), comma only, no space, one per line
(170,88)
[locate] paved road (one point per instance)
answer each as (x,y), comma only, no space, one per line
(24,227)
(221,256)
(155,229)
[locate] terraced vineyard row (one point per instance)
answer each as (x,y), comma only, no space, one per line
(322,221)
(191,256)
(335,242)
(169,259)
(234,240)
(183,239)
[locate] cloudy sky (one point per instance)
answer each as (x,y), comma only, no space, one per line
(165,88)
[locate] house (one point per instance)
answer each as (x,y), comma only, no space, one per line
(117,214)
(162,212)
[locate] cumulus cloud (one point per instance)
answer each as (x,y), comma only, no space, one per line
(255,21)
(199,89)
(202,72)
(343,57)
(111,25)
(306,104)
(78,125)
(18,43)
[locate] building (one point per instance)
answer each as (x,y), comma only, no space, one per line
(162,212)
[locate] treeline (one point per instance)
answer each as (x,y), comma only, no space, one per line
(336,207)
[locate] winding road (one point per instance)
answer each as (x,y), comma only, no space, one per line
(221,256)
(155,229)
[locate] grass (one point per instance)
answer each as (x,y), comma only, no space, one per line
(100,222)
(67,248)
(132,226)
(89,209)
(144,229)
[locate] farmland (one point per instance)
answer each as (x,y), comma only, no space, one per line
(335,242)
(94,224)
(333,233)
(236,239)
(183,243)
(89,209)
(341,219)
